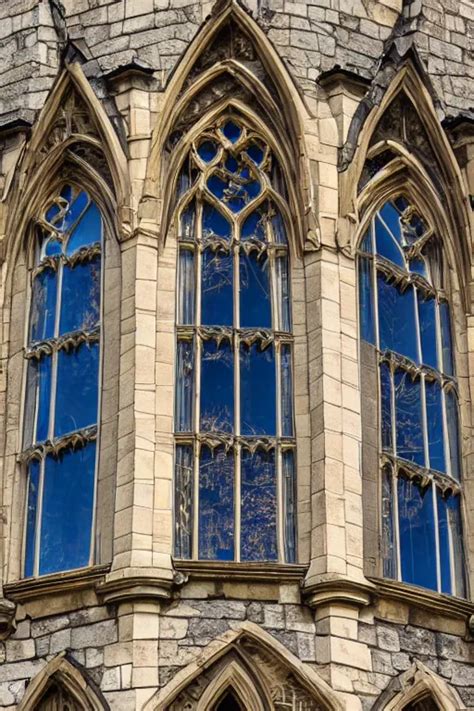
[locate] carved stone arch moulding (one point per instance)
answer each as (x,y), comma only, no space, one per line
(72,138)
(232,57)
(256,668)
(417,685)
(404,129)
(68,677)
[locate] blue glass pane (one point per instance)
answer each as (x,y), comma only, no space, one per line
(283,285)
(286,391)
(184,477)
(434,418)
(366,301)
(410,443)
(231,131)
(446,339)
(207,151)
(444,545)
(397,325)
(417,534)
(216,504)
(44,397)
(452,418)
(231,164)
(74,212)
(30,403)
(214,224)
(255,300)
(30,539)
(386,245)
(187,287)
(43,305)
(257,390)
(88,231)
(187,222)
(68,499)
(217,387)
(427,320)
(66,192)
(53,247)
(388,535)
(386,407)
(402,203)
(77,389)
(289,499)
(258,506)
(254,226)
(414,229)
(457,538)
(366,243)
(418,266)
(391,217)
(279,231)
(217,288)
(80,302)
(51,213)
(255,152)
(185,386)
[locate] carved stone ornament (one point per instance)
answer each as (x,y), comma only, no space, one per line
(7,618)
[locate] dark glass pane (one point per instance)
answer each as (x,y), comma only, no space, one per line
(255,300)
(397,325)
(452,418)
(231,131)
(88,231)
(74,211)
(391,217)
(427,319)
(216,504)
(413,229)
(184,501)
(217,387)
(386,407)
(231,164)
(43,305)
(68,500)
(410,443)
(185,386)
(444,544)
(254,227)
(207,151)
(30,539)
(283,284)
(187,287)
(366,243)
(386,245)
(214,224)
(80,301)
(286,391)
(388,530)
(30,403)
(459,565)
(289,500)
(446,340)
(228,703)
(217,288)
(366,301)
(187,222)
(77,389)
(258,506)
(257,390)
(255,152)
(434,418)
(417,534)
(44,366)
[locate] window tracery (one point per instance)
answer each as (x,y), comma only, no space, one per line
(234,431)
(62,384)
(405,315)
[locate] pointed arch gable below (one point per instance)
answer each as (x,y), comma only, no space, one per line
(258,670)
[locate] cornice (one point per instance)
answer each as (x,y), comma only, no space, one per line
(339,591)
(33,588)
(241,572)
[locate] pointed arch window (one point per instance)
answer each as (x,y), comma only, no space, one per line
(234,430)
(62,384)
(405,314)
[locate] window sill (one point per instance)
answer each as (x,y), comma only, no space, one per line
(70,581)
(241,572)
(446,605)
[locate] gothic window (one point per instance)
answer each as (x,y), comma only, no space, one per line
(56,699)
(62,384)
(405,315)
(228,703)
(234,430)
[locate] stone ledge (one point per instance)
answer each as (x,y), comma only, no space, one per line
(33,588)
(339,591)
(246,572)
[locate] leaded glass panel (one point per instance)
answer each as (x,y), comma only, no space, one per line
(234,430)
